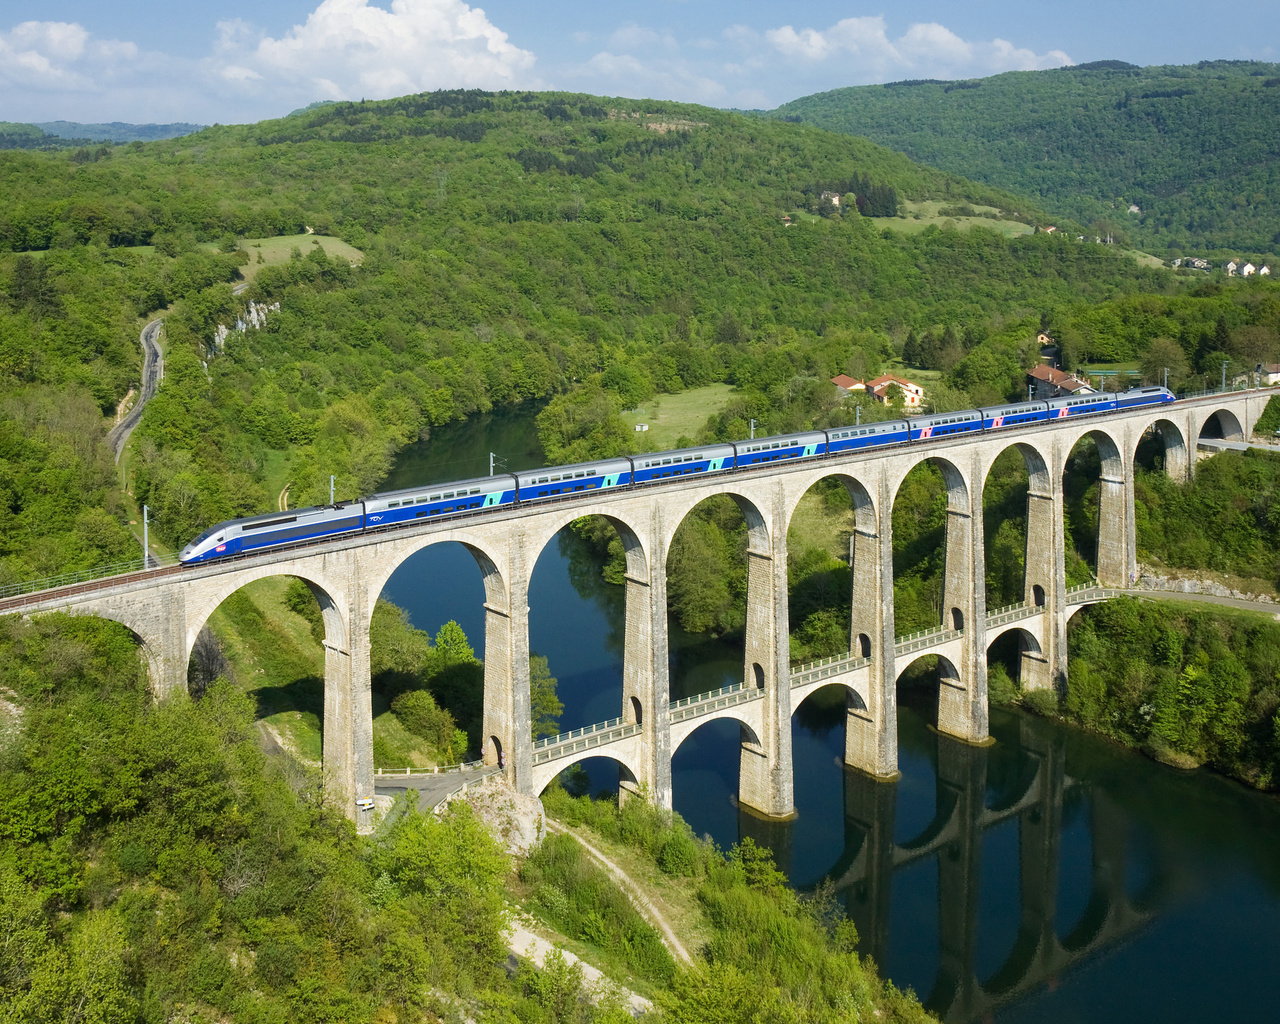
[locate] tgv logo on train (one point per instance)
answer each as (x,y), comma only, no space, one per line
(408,506)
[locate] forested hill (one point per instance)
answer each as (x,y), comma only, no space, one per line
(512,247)
(1195,147)
(65,134)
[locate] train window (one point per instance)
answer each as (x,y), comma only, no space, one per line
(394,504)
(448,495)
(666,462)
(579,476)
(434,497)
(591,472)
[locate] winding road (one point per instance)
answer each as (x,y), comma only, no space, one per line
(152,373)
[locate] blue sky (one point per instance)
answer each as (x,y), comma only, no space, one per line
(232,61)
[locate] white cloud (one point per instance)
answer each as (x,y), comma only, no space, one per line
(633,36)
(60,56)
(350,49)
(926,49)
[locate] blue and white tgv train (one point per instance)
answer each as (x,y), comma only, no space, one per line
(469,497)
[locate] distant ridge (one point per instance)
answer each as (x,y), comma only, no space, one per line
(1176,158)
(117,131)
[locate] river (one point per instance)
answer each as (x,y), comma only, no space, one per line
(1049,877)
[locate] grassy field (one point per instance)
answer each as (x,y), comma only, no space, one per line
(920,215)
(275,659)
(278,250)
(671,417)
(813,525)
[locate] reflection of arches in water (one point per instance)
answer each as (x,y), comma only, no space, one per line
(1076,883)
(999,919)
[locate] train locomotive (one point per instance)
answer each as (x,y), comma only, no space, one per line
(416,504)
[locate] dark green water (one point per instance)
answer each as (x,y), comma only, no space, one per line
(1049,877)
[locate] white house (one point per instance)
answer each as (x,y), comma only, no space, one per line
(1265,271)
(1231,268)
(1248,269)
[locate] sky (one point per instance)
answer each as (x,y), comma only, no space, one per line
(232,61)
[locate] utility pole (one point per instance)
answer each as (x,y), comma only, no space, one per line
(491,458)
(146,553)
(1166,378)
(1224,375)
(330,488)
(857,415)
(753,430)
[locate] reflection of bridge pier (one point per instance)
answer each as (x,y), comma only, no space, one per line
(955,838)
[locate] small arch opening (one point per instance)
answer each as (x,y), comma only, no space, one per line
(1037,595)
(637,712)
(957,618)
(863,647)
(493,753)
(757,675)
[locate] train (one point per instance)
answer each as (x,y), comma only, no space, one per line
(466,497)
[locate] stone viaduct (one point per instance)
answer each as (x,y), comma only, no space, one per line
(167,608)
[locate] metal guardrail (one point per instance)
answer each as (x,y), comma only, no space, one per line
(586,730)
(925,638)
(1090,592)
(552,749)
(436,770)
(698,698)
(1012,613)
(716,700)
(68,579)
(802,675)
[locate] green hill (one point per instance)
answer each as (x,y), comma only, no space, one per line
(1195,148)
(515,246)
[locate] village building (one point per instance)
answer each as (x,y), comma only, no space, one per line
(1045,382)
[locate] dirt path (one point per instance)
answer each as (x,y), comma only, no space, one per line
(282,502)
(633,891)
(534,947)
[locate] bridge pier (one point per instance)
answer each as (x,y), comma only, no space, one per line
(1045,587)
(962,699)
(646,684)
(765,781)
(871,732)
(508,714)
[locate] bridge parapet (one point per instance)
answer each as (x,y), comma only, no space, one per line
(1090,593)
(924,639)
(1012,613)
(837,665)
(713,700)
(586,738)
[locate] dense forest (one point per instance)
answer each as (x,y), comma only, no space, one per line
(513,247)
(156,865)
(1192,147)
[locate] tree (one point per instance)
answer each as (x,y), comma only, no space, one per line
(1164,354)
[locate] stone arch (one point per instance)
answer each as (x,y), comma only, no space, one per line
(816,591)
(488,561)
(862,645)
(957,619)
(1112,553)
(958,490)
(1172,442)
(748,731)
(1036,544)
(948,682)
(1037,595)
(549,528)
(628,777)
(758,539)
(1032,666)
(334,614)
(1220,424)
